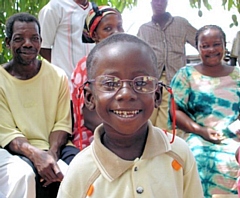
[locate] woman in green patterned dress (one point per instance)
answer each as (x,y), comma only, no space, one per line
(207,102)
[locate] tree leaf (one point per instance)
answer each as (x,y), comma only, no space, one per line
(234,17)
(207,5)
(230,4)
(224,2)
(199,4)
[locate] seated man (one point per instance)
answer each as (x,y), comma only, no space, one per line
(35,121)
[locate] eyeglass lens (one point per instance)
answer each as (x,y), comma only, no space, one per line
(141,84)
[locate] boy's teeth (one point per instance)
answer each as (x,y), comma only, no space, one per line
(126,114)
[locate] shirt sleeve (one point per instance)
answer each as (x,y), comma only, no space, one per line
(191,34)
(63,115)
(8,127)
(49,19)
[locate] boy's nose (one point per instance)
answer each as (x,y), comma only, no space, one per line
(126,92)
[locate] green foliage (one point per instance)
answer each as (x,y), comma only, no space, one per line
(119,4)
(227,4)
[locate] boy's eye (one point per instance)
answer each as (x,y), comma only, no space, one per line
(110,84)
(140,83)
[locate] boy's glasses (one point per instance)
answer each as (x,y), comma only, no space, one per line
(111,84)
(140,84)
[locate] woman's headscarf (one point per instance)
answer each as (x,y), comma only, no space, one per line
(93,18)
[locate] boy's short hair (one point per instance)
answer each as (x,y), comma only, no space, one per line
(22,17)
(116,38)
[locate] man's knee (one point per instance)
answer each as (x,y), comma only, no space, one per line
(17,177)
(29,174)
(25,175)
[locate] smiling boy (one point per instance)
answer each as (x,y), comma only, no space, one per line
(128,157)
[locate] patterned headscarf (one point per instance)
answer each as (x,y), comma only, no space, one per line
(93,18)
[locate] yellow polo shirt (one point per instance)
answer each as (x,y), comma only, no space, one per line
(164,170)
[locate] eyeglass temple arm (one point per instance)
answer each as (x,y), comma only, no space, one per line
(84,84)
(167,87)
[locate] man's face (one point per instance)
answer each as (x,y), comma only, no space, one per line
(159,6)
(25,43)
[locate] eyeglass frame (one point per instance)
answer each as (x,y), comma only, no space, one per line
(158,84)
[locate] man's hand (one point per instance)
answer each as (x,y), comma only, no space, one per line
(44,161)
(47,167)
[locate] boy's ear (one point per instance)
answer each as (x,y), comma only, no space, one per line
(89,99)
(158,96)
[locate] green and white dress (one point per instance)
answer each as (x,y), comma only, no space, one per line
(213,102)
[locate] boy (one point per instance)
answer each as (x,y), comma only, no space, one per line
(128,157)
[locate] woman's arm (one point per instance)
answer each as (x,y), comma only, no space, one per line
(185,123)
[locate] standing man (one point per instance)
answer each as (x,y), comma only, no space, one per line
(35,121)
(167,35)
(62,23)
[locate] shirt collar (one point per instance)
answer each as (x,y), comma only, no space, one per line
(112,166)
(169,20)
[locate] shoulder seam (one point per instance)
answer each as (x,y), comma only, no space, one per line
(176,157)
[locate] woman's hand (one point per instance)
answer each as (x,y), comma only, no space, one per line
(238,134)
(211,135)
